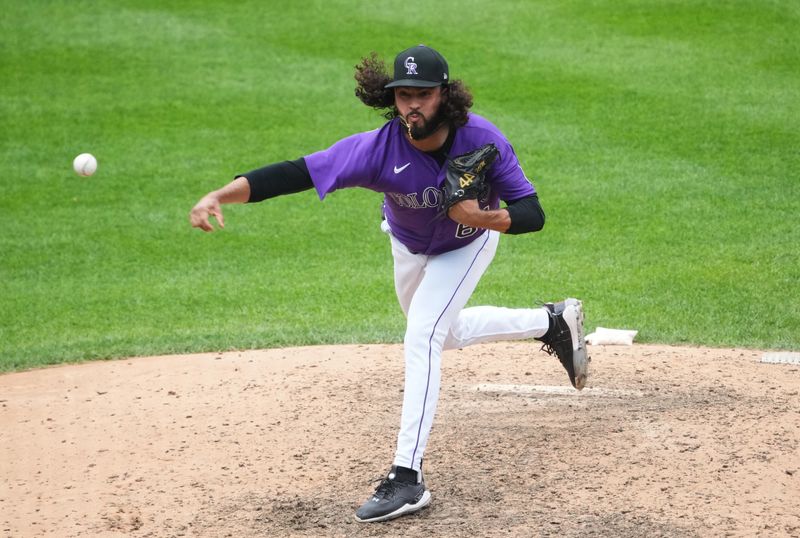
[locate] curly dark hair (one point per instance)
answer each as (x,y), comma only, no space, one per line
(372,77)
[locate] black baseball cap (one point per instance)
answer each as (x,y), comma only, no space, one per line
(420,67)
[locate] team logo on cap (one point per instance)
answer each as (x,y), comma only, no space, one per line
(411,66)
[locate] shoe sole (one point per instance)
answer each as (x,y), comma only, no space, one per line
(403,510)
(574,316)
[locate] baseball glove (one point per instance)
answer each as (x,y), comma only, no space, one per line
(466,176)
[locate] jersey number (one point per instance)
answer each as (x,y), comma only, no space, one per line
(464,231)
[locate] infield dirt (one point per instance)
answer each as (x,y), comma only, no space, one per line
(664,442)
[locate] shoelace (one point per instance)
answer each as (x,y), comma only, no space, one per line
(386,488)
(547,348)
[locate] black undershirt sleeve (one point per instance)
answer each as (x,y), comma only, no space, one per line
(273,180)
(526,215)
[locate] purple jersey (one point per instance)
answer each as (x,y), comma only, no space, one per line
(384,160)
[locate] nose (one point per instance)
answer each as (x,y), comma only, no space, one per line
(414,103)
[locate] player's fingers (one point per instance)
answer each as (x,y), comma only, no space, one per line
(199,219)
(205,225)
(218,214)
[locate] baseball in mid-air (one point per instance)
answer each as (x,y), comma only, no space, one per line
(85,164)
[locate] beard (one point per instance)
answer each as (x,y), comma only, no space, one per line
(424,127)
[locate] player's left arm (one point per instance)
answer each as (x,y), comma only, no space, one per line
(518,217)
(522,214)
(469,213)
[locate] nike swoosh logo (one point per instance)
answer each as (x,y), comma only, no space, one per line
(400,169)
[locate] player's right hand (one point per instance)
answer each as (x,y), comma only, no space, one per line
(200,214)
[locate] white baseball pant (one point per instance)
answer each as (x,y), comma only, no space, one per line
(433,291)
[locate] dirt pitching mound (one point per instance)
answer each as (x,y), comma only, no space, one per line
(663,442)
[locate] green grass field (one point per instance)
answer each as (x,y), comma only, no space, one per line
(663,138)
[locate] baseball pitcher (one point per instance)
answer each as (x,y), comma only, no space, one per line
(443,172)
